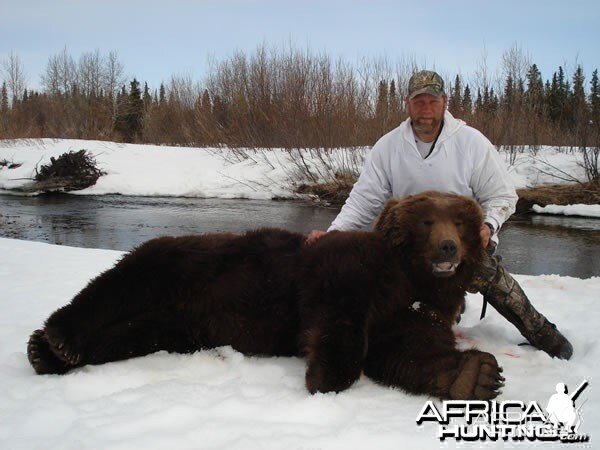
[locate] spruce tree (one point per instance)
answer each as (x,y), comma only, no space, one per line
(136,109)
(130,113)
(3,108)
(563,96)
(382,105)
(147,98)
(455,101)
(478,102)
(578,104)
(493,102)
(120,111)
(509,93)
(467,102)
(535,89)
(595,99)
(487,102)
(4,99)
(560,80)
(162,96)
(578,83)
(394,101)
(553,99)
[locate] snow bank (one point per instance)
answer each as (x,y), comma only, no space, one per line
(569,210)
(223,399)
(545,165)
(152,170)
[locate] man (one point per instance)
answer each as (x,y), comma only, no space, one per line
(432,150)
(561,409)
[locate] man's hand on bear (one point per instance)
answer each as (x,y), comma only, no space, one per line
(486,234)
(314,235)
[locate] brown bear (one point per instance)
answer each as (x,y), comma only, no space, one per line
(380,303)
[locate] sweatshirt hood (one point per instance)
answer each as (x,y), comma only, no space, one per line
(451,126)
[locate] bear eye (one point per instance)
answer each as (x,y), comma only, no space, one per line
(458,223)
(428,222)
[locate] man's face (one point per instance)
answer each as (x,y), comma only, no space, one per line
(426,112)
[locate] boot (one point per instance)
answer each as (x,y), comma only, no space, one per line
(503,292)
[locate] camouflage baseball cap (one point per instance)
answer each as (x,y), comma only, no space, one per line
(425,82)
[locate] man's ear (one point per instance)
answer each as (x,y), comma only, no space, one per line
(390,223)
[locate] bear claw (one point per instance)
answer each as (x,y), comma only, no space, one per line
(60,347)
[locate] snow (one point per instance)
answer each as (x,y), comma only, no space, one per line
(153,170)
(544,165)
(223,399)
(569,210)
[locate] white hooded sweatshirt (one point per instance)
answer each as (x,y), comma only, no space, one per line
(463,162)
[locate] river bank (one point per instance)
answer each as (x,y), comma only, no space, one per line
(323,176)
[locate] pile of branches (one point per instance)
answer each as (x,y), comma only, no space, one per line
(329,193)
(69,172)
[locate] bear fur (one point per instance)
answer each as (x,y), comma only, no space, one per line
(380,303)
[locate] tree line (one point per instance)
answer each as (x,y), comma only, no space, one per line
(290,98)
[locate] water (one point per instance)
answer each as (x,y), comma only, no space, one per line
(120,222)
(529,245)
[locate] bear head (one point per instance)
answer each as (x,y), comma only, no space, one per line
(436,234)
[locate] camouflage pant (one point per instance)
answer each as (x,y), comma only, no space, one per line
(502,291)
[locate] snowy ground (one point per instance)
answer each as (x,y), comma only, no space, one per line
(222,399)
(569,210)
(199,172)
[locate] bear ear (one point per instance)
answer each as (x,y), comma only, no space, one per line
(390,223)
(472,212)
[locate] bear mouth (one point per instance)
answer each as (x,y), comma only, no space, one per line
(444,269)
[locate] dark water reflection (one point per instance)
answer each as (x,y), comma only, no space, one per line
(539,244)
(118,222)
(531,245)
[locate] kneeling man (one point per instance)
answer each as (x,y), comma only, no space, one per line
(432,150)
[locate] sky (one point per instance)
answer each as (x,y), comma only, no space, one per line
(156,39)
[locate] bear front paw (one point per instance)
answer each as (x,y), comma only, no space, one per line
(479,377)
(320,378)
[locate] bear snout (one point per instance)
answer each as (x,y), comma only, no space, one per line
(447,258)
(447,250)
